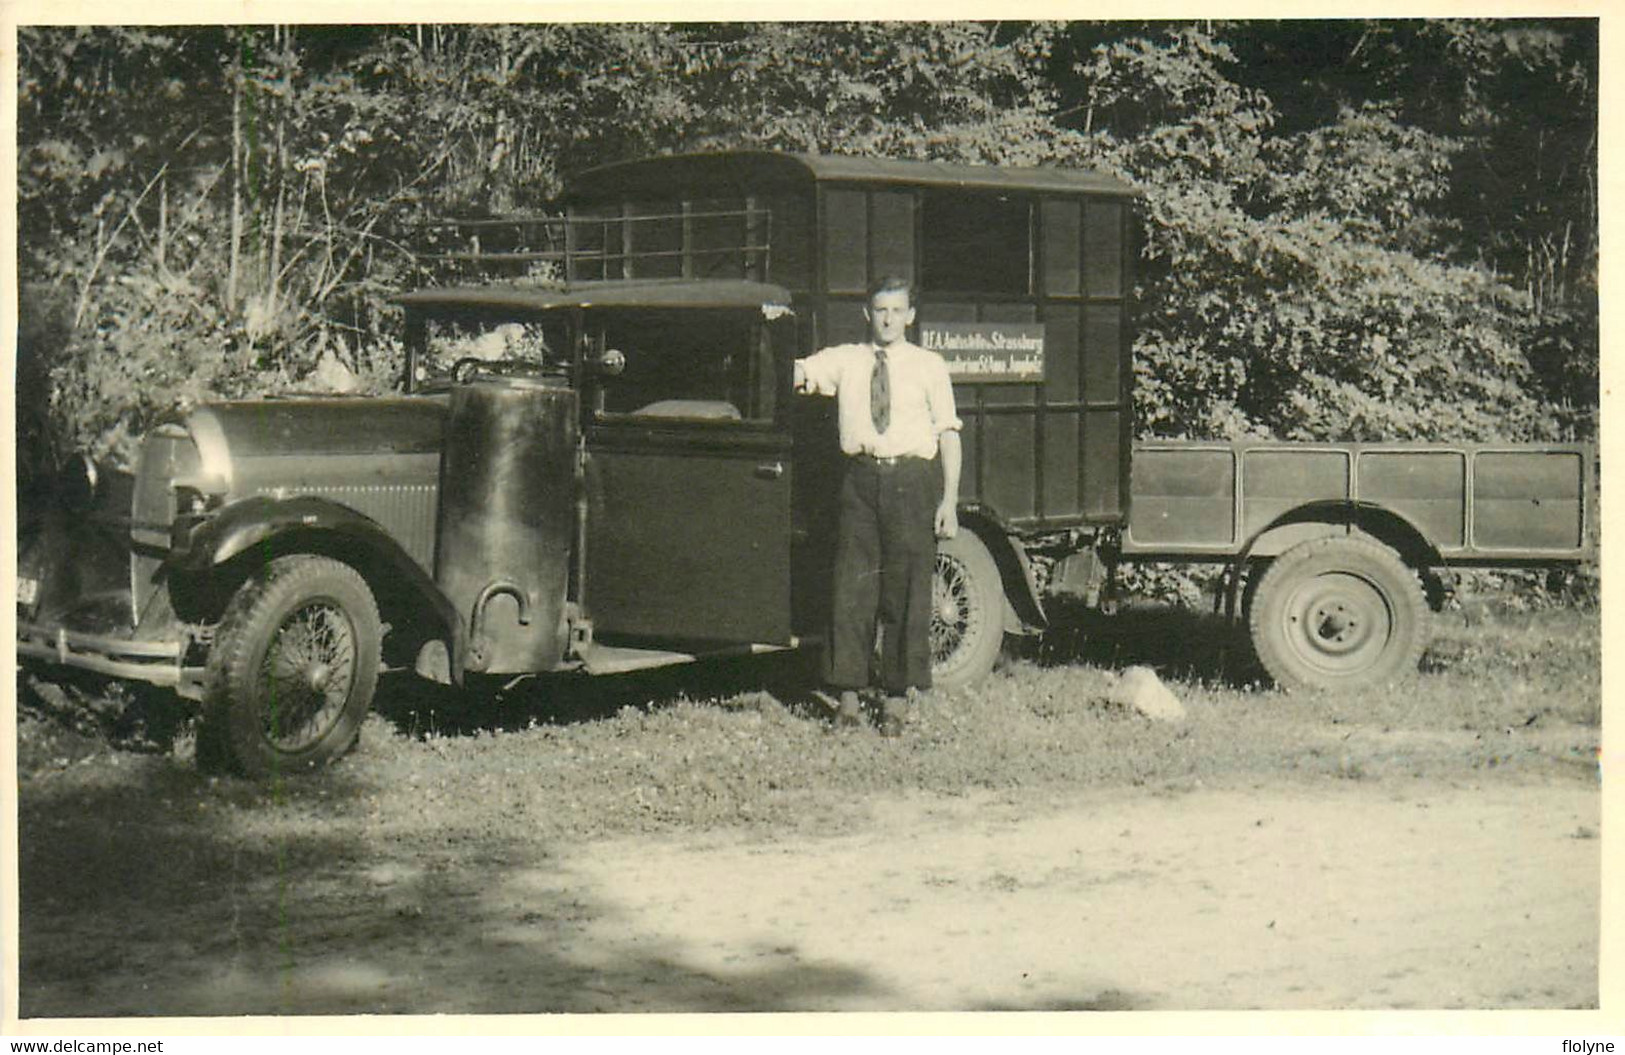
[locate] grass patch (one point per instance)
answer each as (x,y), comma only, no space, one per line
(749,743)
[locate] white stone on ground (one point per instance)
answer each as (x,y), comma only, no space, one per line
(1139,688)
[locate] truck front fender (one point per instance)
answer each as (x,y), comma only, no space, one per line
(315,524)
(214,540)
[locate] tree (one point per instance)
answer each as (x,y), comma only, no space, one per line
(1297,284)
(1335,243)
(1519,98)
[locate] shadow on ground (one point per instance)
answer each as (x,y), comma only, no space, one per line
(77,713)
(126,715)
(1179,643)
(153,892)
(420,708)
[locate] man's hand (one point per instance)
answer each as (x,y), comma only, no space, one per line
(947,523)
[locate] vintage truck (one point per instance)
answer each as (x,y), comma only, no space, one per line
(596,462)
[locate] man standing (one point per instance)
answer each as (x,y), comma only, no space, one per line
(899,432)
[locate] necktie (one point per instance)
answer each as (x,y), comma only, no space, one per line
(880,393)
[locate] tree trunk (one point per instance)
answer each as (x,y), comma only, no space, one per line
(279,168)
(236,192)
(500,144)
(163,227)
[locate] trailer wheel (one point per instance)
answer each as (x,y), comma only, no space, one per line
(294,666)
(1338,613)
(967,612)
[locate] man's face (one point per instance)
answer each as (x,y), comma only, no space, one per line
(890,316)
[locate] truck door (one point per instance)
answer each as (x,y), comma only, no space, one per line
(688,480)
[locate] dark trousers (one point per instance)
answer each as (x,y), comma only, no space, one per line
(884,557)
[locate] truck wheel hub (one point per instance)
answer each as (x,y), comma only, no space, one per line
(1338,621)
(1335,623)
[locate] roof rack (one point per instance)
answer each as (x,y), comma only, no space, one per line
(604,245)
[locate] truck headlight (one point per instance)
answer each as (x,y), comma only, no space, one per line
(193,506)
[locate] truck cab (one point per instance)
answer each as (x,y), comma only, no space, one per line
(683,421)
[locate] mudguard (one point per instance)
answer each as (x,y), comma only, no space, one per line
(254,521)
(1391,528)
(1024,609)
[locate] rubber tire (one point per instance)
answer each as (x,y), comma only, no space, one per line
(977,652)
(1347,571)
(235,699)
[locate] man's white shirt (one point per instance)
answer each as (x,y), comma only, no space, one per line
(922,397)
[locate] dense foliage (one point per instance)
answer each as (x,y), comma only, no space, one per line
(1353,229)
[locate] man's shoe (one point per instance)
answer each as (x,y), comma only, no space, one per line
(894,716)
(850,713)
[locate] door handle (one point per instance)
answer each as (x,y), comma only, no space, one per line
(770,470)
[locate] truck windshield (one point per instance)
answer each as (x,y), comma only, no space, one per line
(447,340)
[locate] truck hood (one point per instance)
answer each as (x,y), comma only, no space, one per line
(240,443)
(330,426)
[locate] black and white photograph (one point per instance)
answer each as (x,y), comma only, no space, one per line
(901,515)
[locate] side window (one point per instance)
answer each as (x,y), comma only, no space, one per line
(690,366)
(975,242)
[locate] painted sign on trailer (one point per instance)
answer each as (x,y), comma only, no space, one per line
(988,351)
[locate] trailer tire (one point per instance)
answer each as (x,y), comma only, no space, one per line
(967,612)
(293,668)
(1339,612)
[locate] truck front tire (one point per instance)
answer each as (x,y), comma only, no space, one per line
(1341,612)
(967,612)
(293,667)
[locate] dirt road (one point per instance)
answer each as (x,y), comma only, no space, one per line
(1340,894)
(1339,899)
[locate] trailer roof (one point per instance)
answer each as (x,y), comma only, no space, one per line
(752,170)
(648,293)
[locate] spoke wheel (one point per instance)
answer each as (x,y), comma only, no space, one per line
(1338,612)
(967,612)
(308,675)
(294,666)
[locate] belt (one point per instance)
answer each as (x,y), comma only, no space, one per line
(896,459)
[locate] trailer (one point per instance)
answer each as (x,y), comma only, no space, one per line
(1337,553)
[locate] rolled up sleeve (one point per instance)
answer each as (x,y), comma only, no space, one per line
(821,372)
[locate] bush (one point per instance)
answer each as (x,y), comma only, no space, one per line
(1304,276)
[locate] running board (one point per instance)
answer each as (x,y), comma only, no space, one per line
(599,658)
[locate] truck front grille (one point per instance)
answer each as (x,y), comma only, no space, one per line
(166,453)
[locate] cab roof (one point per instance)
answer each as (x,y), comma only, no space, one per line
(630,293)
(756,170)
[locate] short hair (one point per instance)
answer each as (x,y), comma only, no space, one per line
(892,284)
